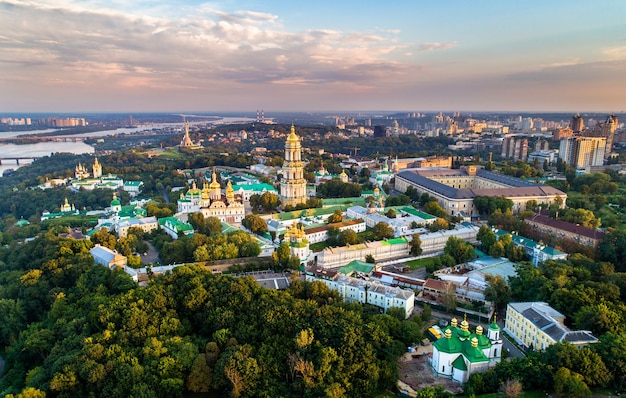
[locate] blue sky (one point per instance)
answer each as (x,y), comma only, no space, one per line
(145,55)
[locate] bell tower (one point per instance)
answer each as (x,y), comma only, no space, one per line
(293,184)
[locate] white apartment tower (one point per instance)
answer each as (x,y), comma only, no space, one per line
(293,184)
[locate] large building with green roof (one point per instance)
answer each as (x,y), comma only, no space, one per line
(460,353)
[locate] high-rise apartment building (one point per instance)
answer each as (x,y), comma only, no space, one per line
(583,152)
(608,131)
(577,123)
(515,148)
(542,145)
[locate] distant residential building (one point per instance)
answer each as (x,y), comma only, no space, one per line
(515,148)
(560,133)
(536,325)
(363,290)
(582,153)
(563,229)
(549,156)
(542,145)
(578,123)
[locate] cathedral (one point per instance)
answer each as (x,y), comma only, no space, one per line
(211,203)
(459,352)
(81,171)
(293,184)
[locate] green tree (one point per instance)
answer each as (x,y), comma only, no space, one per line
(459,250)
(497,291)
(570,384)
(255,224)
(382,230)
(199,379)
(104,238)
(348,237)
(283,259)
(435,209)
(336,217)
(486,237)
(415,245)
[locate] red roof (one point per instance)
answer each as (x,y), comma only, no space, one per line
(567,226)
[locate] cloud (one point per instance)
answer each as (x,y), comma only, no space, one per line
(615,53)
(437,46)
(576,73)
(94,47)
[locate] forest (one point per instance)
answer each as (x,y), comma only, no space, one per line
(72,329)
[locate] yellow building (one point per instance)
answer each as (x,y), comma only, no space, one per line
(455,189)
(293,184)
(536,325)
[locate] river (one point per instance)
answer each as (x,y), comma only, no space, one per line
(47,148)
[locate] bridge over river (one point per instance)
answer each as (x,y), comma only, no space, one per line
(17,160)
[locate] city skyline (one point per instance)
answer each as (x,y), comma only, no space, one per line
(83,56)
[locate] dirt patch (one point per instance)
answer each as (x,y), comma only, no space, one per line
(415,370)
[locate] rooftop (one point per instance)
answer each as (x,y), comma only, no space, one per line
(567,226)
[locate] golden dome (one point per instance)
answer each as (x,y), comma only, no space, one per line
(479,330)
(454,322)
(293,137)
(464,324)
(205,191)
(214,183)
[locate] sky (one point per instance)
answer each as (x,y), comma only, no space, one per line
(341,55)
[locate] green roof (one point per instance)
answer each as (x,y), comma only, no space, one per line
(178,225)
(478,253)
(132,183)
(413,211)
(473,354)
(303,243)
(22,223)
(459,363)
(227,228)
(529,243)
(357,266)
(396,241)
(260,187)
(355,201)
(494,326)
(448,345)
(319,211)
